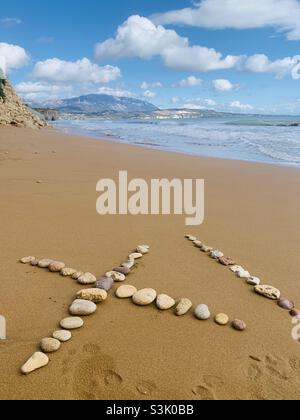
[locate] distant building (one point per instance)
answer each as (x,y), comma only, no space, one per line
(2,67)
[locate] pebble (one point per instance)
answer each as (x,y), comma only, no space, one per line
(56,266)
(126,291)
(135,256)
(222,319)
(27,260)
(50,345)
(116,276)
(142,249)
(286,304)
(93,295)
(62,335)
(227,261)
(71,323)
(122,270)
(165,302)
(268,291)
(104,283)
(45,263)
(183,307)
(191,238)
(243,274)
(82,307)
(68,272)
(36,361)
(253,281)
(129,264)
(239,325)
(295,312)
(198,244)
(34,263)
(76,275)
(216,254)
(206,248)
(87,278)
(144,297)
(202,312)
(236,268)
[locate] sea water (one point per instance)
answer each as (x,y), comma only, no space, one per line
(253,138)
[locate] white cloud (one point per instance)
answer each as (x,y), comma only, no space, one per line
(223,85)
(283,15)
(139,37)
(10,21)
(80,71)
(190,81)
(15,56)
(210,102)
(175,100)
(152,85)
(260,63)
(115,92)
(240,106)
(149,94)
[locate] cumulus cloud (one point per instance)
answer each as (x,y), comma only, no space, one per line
(139,37)
(149,94)
(80,71)
(10,21)
(190,81)
(152,85)
(222,85)
(283,15)
(260,63)
(240,106)
(15,56)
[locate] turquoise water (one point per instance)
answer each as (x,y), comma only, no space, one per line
(260,139)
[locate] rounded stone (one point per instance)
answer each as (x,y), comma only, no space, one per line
(216,254)
(45,263)
(239,325)
(104,283)
(227,261)
(198,244)
(295,312)
(206,248)
(165,302)
(71,323)
(87,278)
(142,249)
(76,275)
(222,319)
(191,238)
(183,307)
(36,361)
(68,272)
(82,307)
(56,266)
(144,297)
(243,274)
(236,268)
(116,276)
(135,256)
(50,345)
(268,291)
(122,270)
(202,312)
(35,263)
(253,281)
(128,264)
(126,291)
(93,295)
(27,260)
(286,304)
(62,335)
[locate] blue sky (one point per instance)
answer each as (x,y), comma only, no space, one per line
(233,55)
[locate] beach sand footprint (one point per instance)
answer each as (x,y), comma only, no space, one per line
(208,388)
(204,393)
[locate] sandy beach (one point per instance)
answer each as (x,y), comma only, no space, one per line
(48,198)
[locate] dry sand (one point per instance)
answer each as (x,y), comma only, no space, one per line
(127,352)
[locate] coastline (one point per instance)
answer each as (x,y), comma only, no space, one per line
(251,214)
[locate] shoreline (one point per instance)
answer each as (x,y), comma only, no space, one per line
(118,140)
(48,190)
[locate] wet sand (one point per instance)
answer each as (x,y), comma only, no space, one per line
(128,352)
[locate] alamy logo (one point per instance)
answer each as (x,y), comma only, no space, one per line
(157,197)
(2,328)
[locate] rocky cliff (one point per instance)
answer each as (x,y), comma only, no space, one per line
(12,110)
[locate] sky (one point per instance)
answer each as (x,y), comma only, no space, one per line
(227,55)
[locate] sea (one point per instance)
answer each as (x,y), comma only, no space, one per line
(267,139)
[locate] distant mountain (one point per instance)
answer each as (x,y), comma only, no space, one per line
(93,104)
